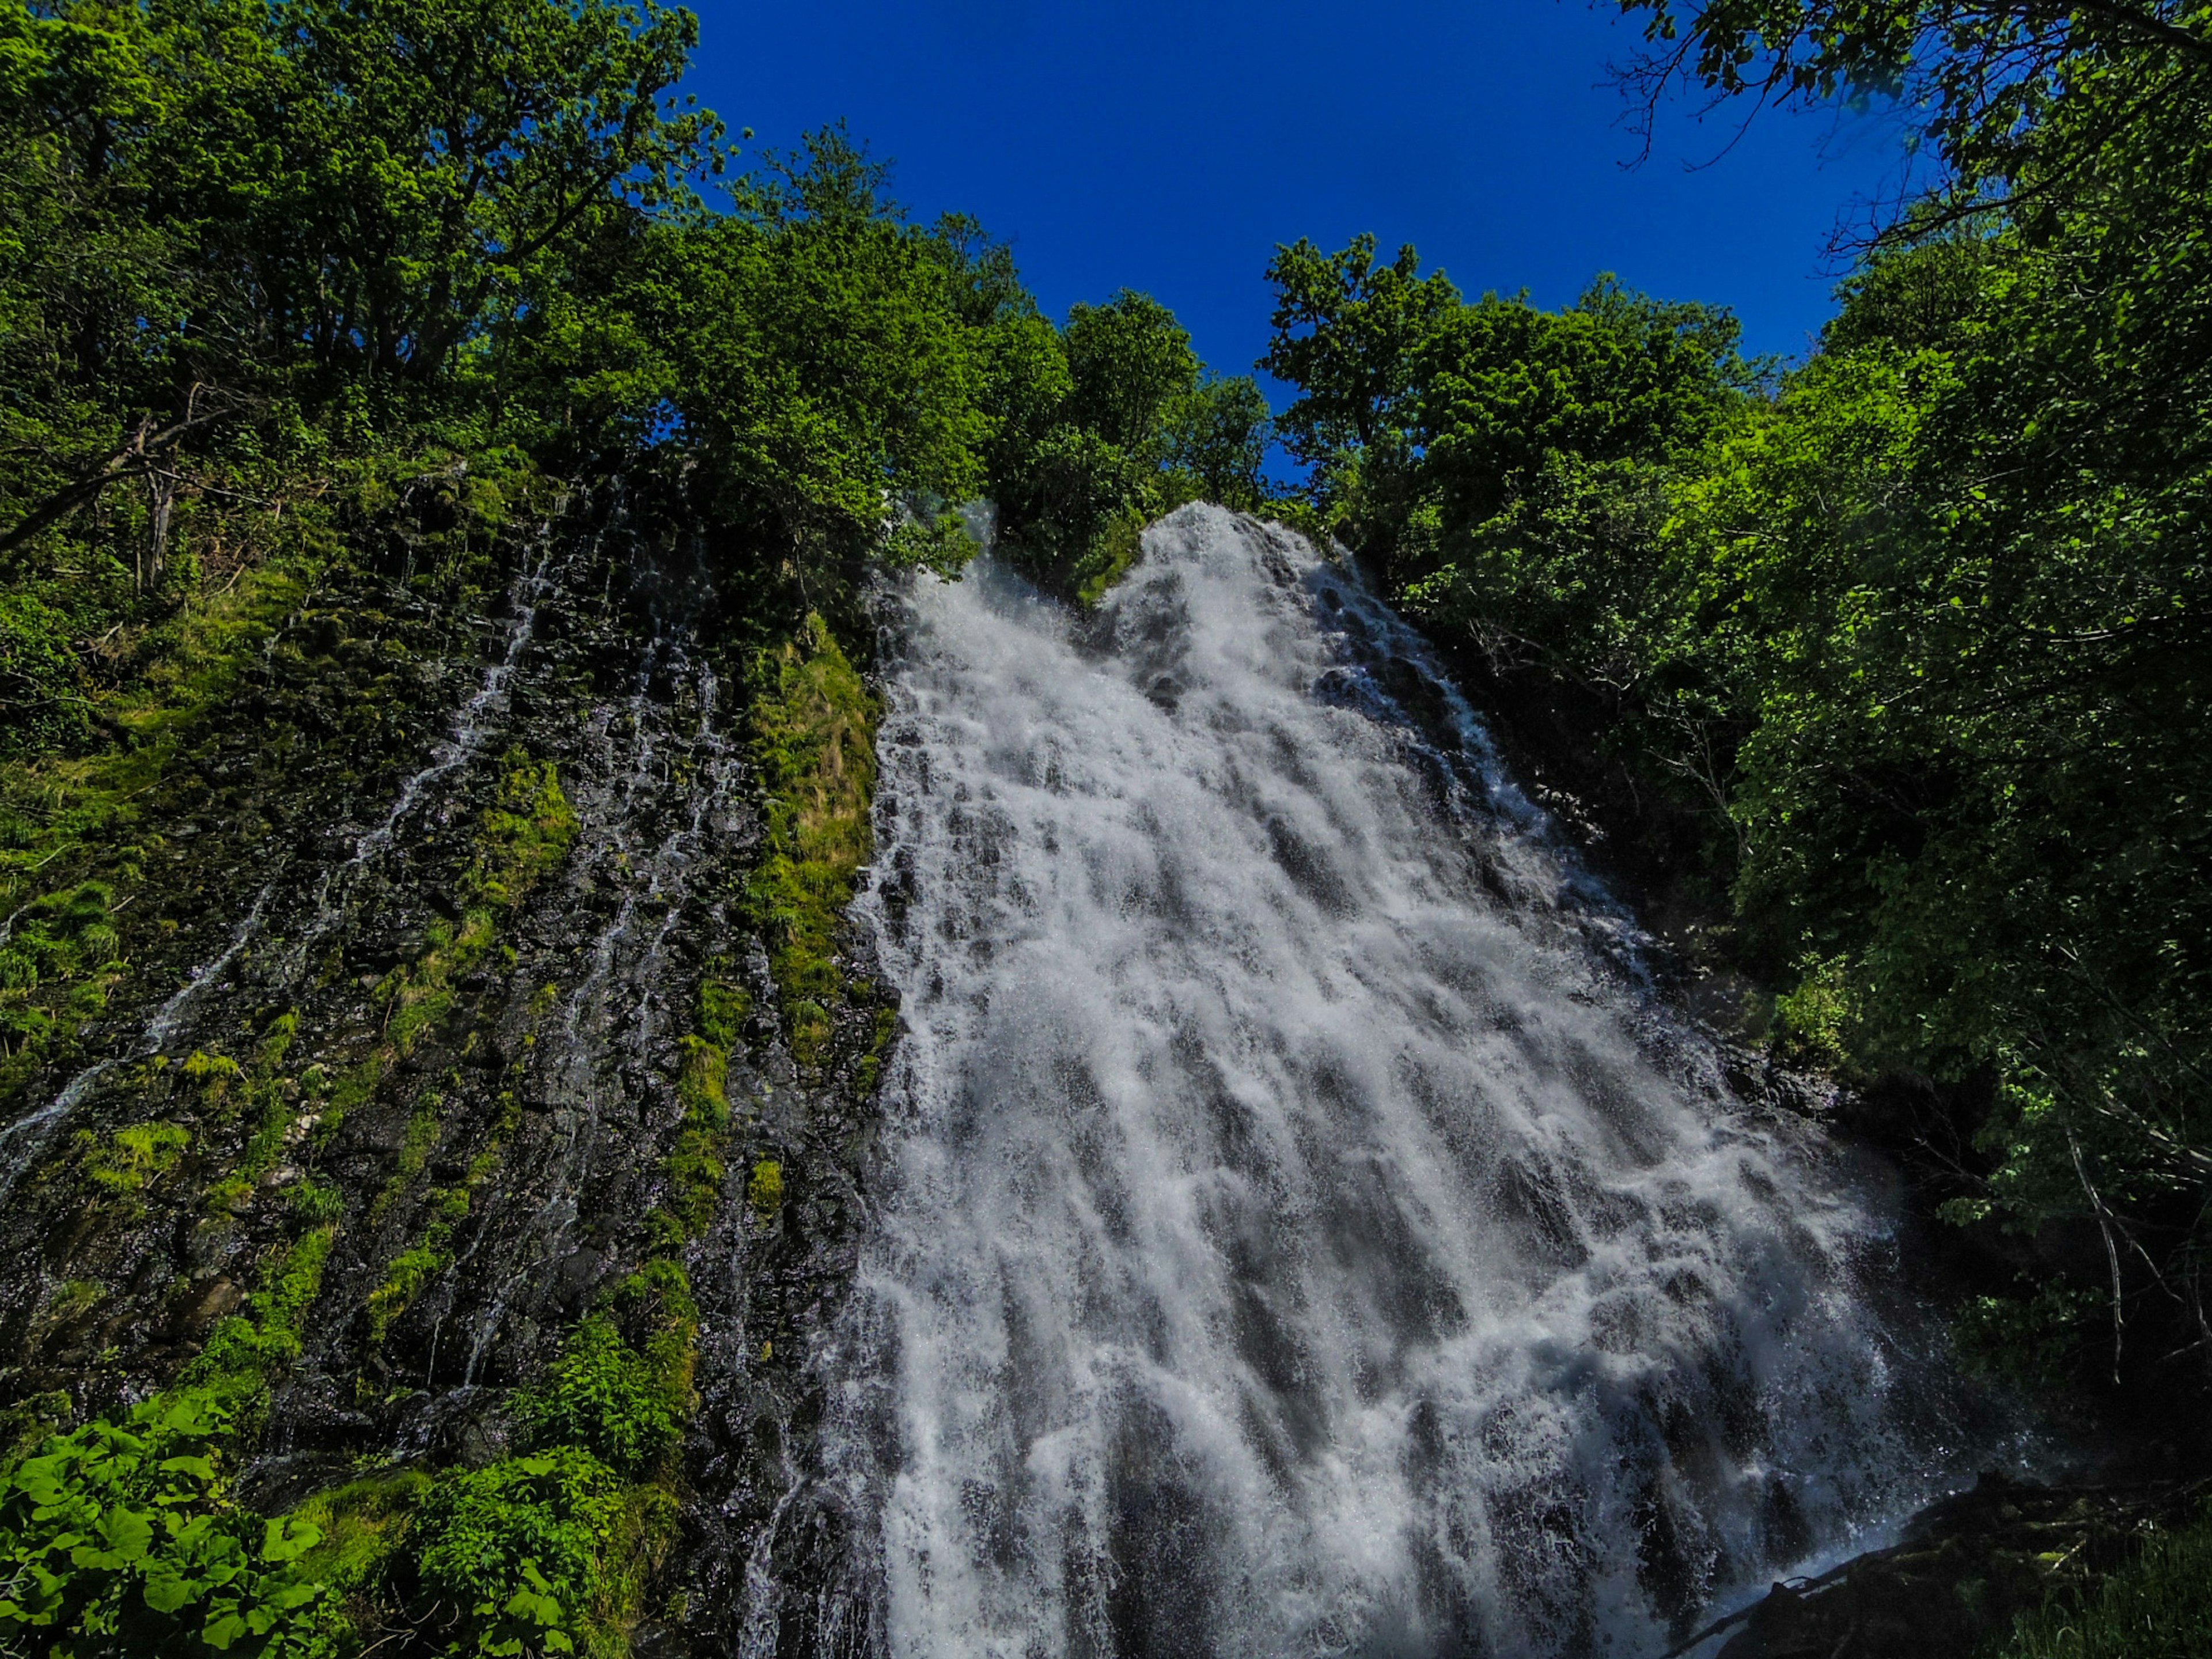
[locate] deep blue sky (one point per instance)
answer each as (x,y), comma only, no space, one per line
(1169,147)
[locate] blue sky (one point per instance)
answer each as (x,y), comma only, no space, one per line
(1169,147)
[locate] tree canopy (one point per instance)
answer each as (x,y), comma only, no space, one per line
(1914,631)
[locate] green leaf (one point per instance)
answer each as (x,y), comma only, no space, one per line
(288,1539)
(129,1534)
(167,1591)
(221,1632)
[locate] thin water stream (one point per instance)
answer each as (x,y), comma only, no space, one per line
(1301,1228)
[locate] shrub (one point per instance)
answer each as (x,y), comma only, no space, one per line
(514,1547)
(122,1534)
(605,1397)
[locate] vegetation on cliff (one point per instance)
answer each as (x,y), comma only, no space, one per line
(324,325)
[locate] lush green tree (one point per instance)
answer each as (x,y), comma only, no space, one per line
(1130,363)
(1987,77)
(398,174)
(1106,423)
(1349,333)
(821,367)
(1916,630)
(1217,435)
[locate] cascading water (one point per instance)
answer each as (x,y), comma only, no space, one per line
(22,1140)
(1298,1229)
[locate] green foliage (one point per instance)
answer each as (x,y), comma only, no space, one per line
(2159,1605)
(410,1273)
(552,1550)
(38,677)
(130,1158)
(121,1536)
(812,730)
(1129,363)
(1989,82)
(1914,633)
(1106,425)
(604,1395)
(940,544)
(1819,1015)
(2034,1338)
(523,834)
(247,1351)
(515,1547)
(361,1525)
(1218,435)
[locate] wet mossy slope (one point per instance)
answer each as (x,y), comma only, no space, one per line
(438,1066)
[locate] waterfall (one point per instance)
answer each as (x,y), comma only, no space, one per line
(1300,1229)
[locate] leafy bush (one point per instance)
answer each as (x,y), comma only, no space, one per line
(513,1549)
(122,1534)
(605,1397)
(38,677)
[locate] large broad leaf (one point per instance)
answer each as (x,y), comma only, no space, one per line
(221,1632)
(167,1589)
(127,1535)
(287,1539)
(286,1596)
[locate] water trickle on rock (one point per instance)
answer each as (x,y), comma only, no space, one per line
(1300,1229)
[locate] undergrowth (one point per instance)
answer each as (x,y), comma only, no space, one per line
(2158,1606)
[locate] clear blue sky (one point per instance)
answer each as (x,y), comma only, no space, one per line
(1169,147)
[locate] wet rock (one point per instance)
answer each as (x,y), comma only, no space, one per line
(209,1246)
(1967,1568)
(221,1298)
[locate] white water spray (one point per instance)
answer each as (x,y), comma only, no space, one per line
(1300,1230)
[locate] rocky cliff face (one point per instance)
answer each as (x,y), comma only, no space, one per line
(439,1013)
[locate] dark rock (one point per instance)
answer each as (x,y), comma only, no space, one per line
(1968,1567)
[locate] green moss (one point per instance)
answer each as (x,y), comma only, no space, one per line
(411,1272)
(352,1090)
(130,1158)
(870,1072)
(361,1526)
(723,1009)
(527,831)
(693,1168)
(424,1125)
(635,1544)
(210,1076)
(245,1352)
(71,818)
(812,740)
(764,1190)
